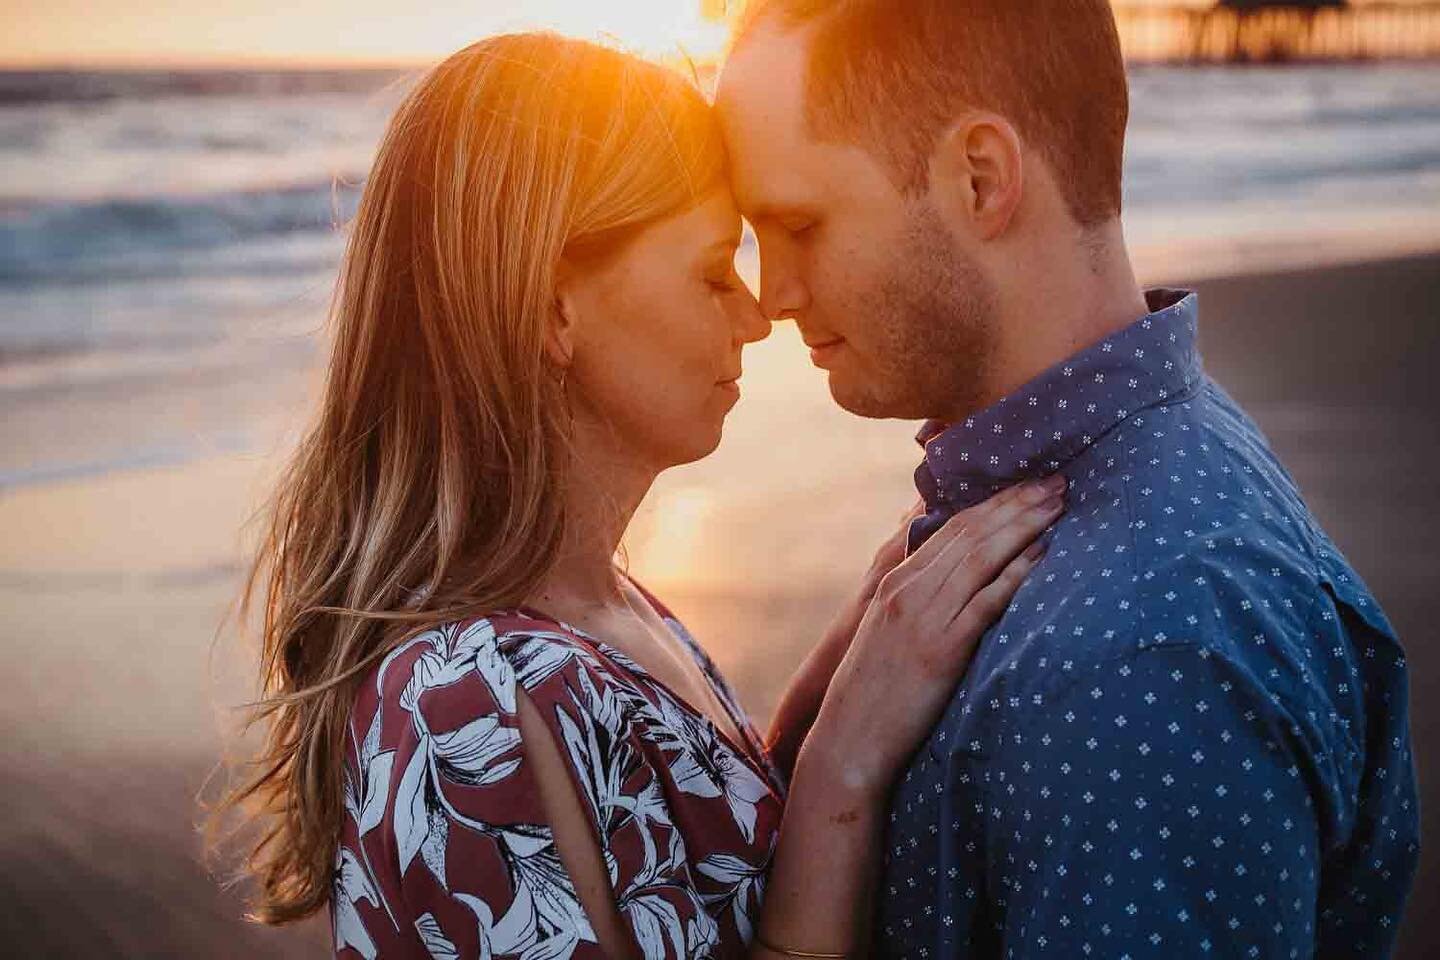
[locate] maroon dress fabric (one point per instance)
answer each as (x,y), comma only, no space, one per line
(446,851)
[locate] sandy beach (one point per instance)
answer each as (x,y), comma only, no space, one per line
(112,584)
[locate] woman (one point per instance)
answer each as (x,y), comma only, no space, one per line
(484,739)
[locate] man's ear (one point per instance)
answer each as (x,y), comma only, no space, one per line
(977,173)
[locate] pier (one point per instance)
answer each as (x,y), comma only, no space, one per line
(1274,33)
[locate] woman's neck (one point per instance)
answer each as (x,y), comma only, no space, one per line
(606,489)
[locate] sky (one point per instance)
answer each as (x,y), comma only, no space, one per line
(182,32)
(166,32)
(78,32)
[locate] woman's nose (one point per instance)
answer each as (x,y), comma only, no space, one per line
(752,324)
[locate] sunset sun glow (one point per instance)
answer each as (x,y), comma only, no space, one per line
(146,32)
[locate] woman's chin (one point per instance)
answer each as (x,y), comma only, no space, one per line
(698,435)
(699,442)
(712,438)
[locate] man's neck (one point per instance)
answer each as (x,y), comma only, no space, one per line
(1068,298)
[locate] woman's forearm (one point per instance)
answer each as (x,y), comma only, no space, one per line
(913,643)
(818,894)
(800,703)
(799,706)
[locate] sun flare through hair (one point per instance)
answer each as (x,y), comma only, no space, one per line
(430,486)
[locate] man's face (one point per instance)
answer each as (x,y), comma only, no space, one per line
(889,303)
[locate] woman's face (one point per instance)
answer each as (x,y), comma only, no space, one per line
(655,334)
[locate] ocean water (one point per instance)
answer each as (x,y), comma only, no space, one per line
(159,224)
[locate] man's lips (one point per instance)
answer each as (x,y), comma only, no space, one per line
(821,350)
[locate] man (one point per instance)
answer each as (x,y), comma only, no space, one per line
(1188,735)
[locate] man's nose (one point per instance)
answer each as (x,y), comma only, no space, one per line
(781,298)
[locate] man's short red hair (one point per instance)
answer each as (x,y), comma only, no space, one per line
(893,74)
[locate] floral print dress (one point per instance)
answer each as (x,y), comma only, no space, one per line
(445,851)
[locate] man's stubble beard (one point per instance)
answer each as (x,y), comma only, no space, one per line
(932,323)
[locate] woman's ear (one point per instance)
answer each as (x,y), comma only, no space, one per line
(560,331)
(977,174)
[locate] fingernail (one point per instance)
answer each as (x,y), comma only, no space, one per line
(1035,550)
(1056,481)
(1053,503)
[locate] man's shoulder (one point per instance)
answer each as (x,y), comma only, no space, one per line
(1205,499)
(1247,589)
(1183,528)
(1193,483)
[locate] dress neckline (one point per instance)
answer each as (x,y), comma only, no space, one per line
(759,762)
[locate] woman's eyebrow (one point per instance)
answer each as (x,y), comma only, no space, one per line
(762,212)
(771,212)
(726,243)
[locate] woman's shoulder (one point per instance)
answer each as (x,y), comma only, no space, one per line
(481,662)
(439,779)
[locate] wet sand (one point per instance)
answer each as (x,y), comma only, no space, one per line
(111,587)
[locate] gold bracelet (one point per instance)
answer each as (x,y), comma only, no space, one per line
(804,954)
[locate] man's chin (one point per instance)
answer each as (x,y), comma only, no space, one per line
(870,403)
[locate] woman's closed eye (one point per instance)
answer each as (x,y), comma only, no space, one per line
(727,282)
(797,227)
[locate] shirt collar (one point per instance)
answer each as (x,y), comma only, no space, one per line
(1049,421)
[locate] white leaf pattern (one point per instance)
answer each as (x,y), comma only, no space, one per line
(432,848)
(655,922)
(412,819)
(539,656)
(422,676)
(377,786)
(469,752)
(743,790)
(350,930)
(434,938)
(477,646)
(612,721)
(743,883)
(560,944)
(514,934)
(351,886)
(703,936)
(693,778)
(556,901)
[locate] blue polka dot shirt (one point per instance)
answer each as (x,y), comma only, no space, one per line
(1188,735)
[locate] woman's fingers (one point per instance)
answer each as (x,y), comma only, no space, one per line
(968,566)
(934,588)
(975,617)
(934,607)
(968,608)
(971,525)
(979,521)
(960,546)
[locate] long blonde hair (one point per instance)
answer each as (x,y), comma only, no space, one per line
(430,486)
